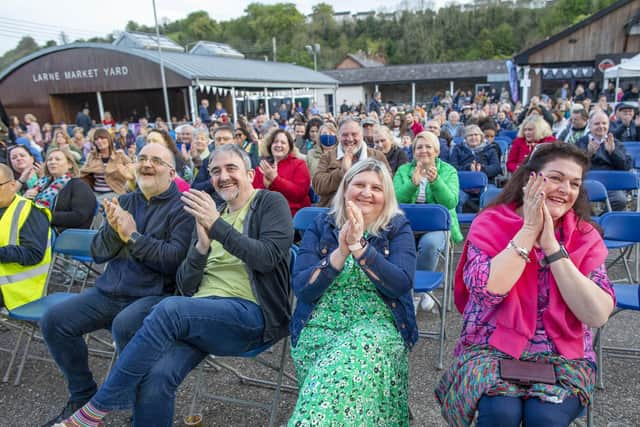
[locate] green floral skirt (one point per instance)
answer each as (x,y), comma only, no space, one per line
(351,362)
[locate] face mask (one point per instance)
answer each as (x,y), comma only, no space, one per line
(328,140)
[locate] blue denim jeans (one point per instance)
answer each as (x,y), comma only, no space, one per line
(175,337)
(504,411)
(430,246)
(64,324)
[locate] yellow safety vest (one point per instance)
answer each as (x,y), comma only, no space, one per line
(21,284)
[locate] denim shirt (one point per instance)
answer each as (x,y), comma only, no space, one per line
(389,261)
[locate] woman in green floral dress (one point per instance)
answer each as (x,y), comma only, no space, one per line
(354,322)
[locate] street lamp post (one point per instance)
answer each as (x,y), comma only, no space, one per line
(314,50)
(164,80)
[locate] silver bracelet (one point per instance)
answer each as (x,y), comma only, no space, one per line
(522,252)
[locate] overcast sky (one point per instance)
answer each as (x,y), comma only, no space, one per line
(83,19)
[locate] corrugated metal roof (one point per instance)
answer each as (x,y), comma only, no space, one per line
(204,47)
(146,41)
(418,72)
(364,61)
(209,69)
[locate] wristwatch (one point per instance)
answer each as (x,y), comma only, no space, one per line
(561,253)
(134,237)
(358,245)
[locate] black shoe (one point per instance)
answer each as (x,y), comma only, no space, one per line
(67,411)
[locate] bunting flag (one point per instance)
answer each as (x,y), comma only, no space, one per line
(201,88)
(565,71)
(545,70)
(575,72)
(536,70)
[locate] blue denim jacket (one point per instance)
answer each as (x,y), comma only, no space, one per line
(389,261)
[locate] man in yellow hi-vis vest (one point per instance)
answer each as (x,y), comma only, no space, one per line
(25,252)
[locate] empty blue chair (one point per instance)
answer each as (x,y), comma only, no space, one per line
(619,234)
(597,192)
(470,181)
(488,196)
(305,217)
(75,244)
(425,218)
(504,145)
(616,180)
(511,134)
(458,140)
(620,225)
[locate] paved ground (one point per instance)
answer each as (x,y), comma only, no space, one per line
(42,392)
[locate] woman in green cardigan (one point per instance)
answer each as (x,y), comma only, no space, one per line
(427,179)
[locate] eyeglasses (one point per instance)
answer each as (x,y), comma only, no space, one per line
(155,161)
(223,138)
(239,135)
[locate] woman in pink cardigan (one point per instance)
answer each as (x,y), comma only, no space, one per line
(531,283)
(280,170)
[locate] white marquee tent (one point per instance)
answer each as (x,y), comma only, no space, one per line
(630,68)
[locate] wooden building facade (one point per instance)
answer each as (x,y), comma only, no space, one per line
(583,51)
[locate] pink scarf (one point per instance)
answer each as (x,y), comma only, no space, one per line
(516,314)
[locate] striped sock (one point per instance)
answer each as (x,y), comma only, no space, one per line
(87,416)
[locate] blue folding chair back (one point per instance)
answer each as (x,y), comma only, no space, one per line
(597,192)
(472,180)
(305,217)
(425,218)
(75,243)
(511,134)
(616,180)
(489,196)
(458,140)
(621,228)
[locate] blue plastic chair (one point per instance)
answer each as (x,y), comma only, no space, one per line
(616,180)
(75,244)
(624,225)
(511,134)
(458,140)
(618,234)
(597,192)
(305,217)
(470,181)
(488,196)
(254,354)
(29,315)
(425,218)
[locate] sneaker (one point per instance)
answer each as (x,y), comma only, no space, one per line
(427,303)
(67,411)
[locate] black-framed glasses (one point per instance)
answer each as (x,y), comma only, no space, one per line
(155,161)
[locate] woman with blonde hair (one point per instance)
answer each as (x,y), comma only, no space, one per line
(384,141)
(69,199)
(33,128)
(534,130)
(62,141)
(354,324)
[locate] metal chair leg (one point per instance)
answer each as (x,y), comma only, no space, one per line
(25,354)
(14,353)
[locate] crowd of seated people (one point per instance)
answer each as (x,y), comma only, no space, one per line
(186,212)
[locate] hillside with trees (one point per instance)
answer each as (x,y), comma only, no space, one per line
(404,37)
